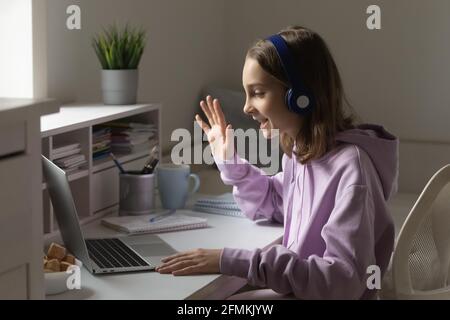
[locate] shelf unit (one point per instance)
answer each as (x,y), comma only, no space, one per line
(95,186)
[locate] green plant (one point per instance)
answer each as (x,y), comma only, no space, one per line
(119,49)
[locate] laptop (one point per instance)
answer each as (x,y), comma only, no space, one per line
(99,256)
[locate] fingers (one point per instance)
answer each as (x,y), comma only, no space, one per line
(197,261)
(207,112)
(176,260)
(219,114)
(176,255)
(213,112)
(202,124)
(210,102)
(229,140)
(175,266)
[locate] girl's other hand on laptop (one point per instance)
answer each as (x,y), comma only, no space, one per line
(197,261)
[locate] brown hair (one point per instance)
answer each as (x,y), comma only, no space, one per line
(320,74)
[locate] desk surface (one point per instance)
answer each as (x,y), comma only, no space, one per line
(223,231)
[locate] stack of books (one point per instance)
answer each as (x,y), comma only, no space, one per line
(223,204)
(68,157)
(131,137)
(101,142)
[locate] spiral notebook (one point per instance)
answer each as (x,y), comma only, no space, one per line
(223,204)
(181,220)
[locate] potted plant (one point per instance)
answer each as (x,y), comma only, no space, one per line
(119,53)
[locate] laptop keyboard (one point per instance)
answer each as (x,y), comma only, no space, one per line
(113,253)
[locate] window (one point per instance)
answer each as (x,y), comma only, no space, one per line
(16,53)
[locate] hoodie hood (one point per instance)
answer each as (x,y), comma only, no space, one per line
(382,148)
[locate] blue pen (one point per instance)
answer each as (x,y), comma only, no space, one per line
(117,163)
(161,216)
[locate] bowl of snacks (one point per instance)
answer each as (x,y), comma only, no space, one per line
(58,267)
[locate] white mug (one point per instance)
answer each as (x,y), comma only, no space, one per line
(173,184)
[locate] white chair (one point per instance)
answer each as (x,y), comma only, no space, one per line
(421,259)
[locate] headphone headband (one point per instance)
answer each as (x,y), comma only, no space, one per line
(298,98)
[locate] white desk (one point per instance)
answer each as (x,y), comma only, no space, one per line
(223,231)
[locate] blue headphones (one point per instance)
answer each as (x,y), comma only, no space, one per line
(298,98)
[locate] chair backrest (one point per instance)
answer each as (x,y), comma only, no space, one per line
(421,259)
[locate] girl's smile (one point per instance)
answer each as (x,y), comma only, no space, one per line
(263,121)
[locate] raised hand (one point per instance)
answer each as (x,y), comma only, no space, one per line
(220,135)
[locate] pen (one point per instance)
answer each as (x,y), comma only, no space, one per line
(152,161)
(153,165)
(149,168)
(117,163)
(161,216)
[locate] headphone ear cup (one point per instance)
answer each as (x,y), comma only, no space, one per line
(298,103)
(289,101)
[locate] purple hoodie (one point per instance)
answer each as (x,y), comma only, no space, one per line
(335,216)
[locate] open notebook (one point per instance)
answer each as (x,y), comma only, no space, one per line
(180,220)
(223,204)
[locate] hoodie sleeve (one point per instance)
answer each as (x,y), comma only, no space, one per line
(339,274)
(258,195)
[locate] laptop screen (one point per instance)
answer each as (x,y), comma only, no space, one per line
(65,210)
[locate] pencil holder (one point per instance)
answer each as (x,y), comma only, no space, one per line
(136,195)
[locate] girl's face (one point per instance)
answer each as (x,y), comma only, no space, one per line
(265,101)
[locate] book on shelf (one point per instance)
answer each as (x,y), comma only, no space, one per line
(133,139)
(70,161)
(74,168)
(101,139)
(61,149)
(101,142)
(65,153)
(134,142)
(127,137)
(123,138)
(68,157)
(101,147)
(100,131)
(131,125)
(130,148)
(132,133)
(101,155)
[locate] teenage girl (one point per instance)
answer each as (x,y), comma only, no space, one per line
(332,191)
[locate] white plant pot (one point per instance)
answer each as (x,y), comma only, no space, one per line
(119,87)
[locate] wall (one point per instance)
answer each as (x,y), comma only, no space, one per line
(183,54)
(16,55)
(397,76)
(39,43)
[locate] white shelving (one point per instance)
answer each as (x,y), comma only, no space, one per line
(21,204)
(95,187)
